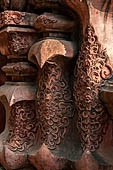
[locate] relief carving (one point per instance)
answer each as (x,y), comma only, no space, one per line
(55,105)
(22,126)
(91,71)
(17,18)
(19,44)
(46,101)
(50,22)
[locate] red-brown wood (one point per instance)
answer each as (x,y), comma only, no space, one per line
(56,84)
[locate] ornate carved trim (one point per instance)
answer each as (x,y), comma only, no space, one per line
(90,73)
(58,23)
(19,43)
(22,126)
(55,105)
(17,18)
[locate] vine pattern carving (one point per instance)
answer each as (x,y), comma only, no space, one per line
(16,18)
(19,43)
(55,105)
(45,20)
(22,126)
(90,73)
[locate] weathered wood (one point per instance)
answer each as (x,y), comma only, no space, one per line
(19,69)
(17,41)
(41,130)
(17,18)
(44,50)
(53,22)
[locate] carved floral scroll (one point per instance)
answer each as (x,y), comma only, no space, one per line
(91,71)
(55,118)
(55,105)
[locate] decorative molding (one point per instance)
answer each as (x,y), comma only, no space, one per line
(17,41)
(17,18)
(90,73)
(20,69)
(22,126)
(19,44)
(54,22)
(55,105)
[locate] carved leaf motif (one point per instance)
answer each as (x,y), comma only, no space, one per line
(90,73)
(22,126)
(55,105)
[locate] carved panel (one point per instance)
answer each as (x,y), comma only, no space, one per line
(55,105)
(17,41)
(50,22)
(17,18)
(22,126)
(90,73)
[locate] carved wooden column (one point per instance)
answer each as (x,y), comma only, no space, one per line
(18,93)
(94,124)
(56,118)
(58,137)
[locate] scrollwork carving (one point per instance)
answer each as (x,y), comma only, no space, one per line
(90,73)
(55,105)
(45,20)
(19,43)
(22,126)
(17,18)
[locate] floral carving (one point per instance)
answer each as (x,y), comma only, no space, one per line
(90,73)
(11,17)
(55,105)
(22,126)
(19,43)
(17,18)
(45,20)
